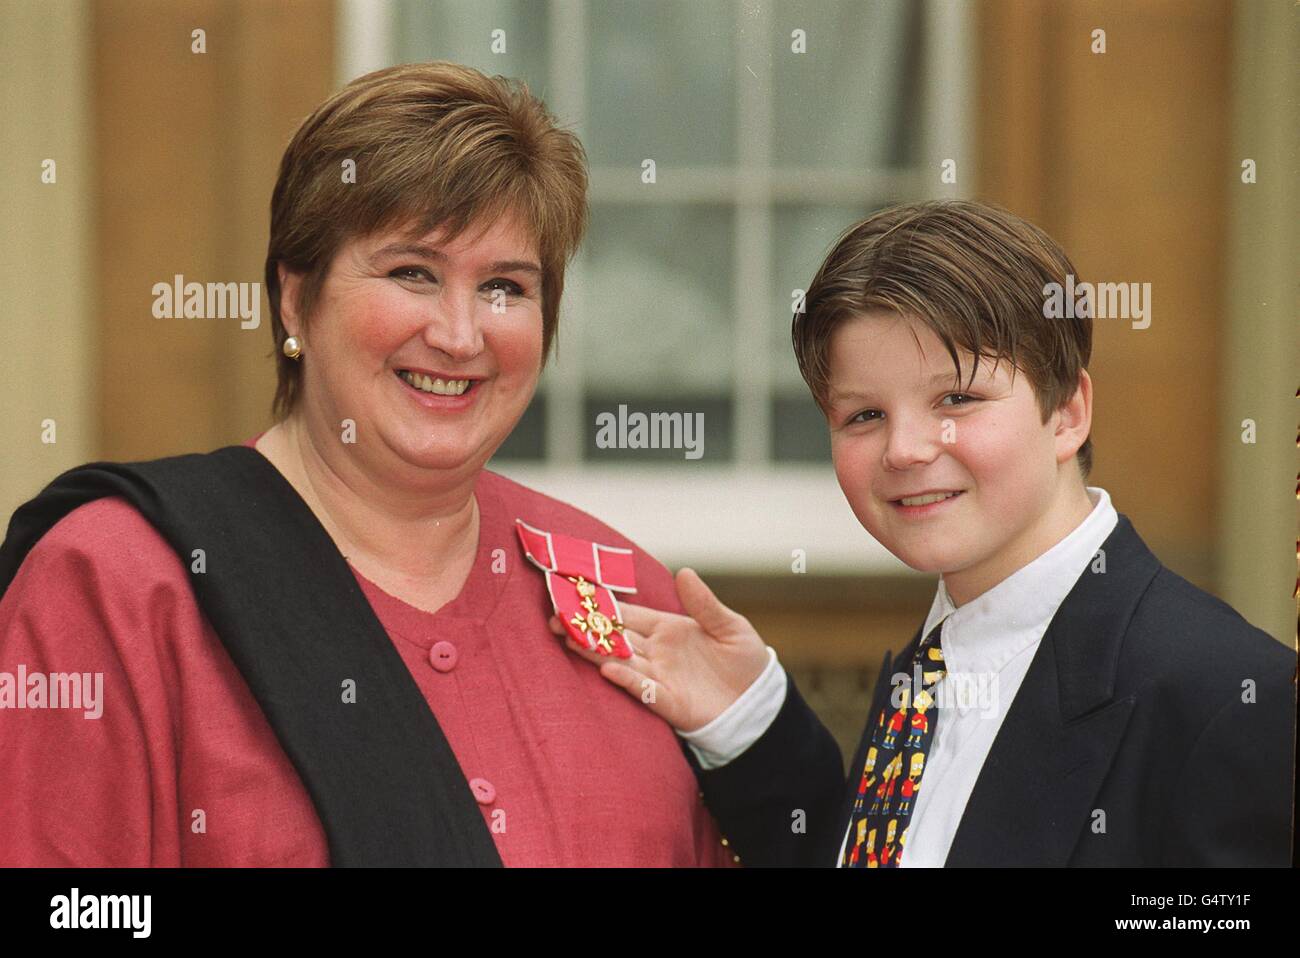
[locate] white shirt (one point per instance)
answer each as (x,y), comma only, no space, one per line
(988,644)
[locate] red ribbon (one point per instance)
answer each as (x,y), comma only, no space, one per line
(582,577)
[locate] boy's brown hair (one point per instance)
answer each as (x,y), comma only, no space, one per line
(974,274)
(435,145)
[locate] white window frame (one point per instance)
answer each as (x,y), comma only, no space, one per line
(748,515)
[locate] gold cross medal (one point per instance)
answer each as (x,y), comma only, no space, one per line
(582,578)
(602,633)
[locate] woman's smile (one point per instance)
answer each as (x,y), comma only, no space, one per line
(438,392)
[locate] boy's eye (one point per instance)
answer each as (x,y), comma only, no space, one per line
(859,416)
(964,398)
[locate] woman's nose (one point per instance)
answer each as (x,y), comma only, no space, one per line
(454,328)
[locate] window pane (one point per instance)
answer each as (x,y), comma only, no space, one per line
(657,318)
(461,31)
(657,310)
(804,235)
(528,441)
(661,83)
(799,432)
(657,313)
(861,56)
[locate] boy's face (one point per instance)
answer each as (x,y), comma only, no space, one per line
(900,429)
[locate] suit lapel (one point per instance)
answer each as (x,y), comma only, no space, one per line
(1033,796)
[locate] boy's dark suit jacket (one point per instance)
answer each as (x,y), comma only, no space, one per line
(1128,743)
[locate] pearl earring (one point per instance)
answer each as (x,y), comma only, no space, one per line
(292,348)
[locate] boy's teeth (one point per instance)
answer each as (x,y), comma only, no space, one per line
(926,500)
(440,387)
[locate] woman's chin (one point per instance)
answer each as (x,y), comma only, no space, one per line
(445,459)
(446,453)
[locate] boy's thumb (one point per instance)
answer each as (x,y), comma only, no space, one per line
(701,604)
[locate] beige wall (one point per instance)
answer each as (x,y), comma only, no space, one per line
(1121,157)
(1261,361)
(1132,159)
(188,148)
(48,335)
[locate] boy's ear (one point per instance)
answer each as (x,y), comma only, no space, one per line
(1074,420)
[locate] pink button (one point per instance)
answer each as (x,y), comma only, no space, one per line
(443,656)
(483,791)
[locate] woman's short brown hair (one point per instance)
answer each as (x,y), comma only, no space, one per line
(974,274)
(435,145)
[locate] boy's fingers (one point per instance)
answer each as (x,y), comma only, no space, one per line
(624,676)
(595,658)
(641,618)
(637,635)
(701,604)
(637,661)
(635,640)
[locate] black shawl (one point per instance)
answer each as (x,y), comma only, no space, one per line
(288,609)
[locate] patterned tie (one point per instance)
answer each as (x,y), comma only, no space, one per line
(883,807)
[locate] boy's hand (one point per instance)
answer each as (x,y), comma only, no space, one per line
(687,669)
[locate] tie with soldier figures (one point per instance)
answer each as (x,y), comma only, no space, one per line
(883,806)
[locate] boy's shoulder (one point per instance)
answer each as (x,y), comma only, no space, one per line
(1181,637)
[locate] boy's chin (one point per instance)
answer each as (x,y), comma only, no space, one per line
(924,554)
(933,561)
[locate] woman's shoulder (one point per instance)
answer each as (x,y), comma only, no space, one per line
(101,585)
(109,538)
(112,530)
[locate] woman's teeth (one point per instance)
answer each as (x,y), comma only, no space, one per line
(926,500)
(441,387)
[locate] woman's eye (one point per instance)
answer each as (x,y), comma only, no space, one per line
(965,398)
(509,286)
(419,271)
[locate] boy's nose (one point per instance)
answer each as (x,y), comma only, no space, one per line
(909,445)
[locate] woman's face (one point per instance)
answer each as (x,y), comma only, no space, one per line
(461,319)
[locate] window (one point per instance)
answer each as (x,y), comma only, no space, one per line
(681,298)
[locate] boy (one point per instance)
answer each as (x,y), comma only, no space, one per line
(1068,700)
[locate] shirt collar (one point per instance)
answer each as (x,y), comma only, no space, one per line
(989,631)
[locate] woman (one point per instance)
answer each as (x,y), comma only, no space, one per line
(330,645)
